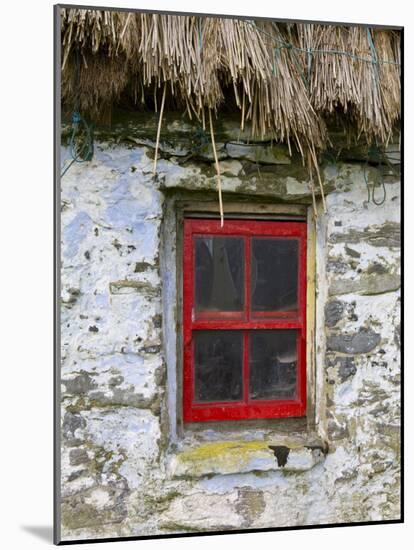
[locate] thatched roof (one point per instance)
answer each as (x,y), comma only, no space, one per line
(285,78)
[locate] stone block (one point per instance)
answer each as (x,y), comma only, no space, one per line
(362,341)
(368,284)
(333,312)
(230,457)
(262,154)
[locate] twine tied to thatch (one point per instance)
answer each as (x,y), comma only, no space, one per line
(213,144)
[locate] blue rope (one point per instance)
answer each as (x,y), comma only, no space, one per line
(312,51)
(83,153)
(371,194)
(275,60)
(309,64)
(372,47)
(374,56)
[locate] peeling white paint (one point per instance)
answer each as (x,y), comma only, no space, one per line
(119,359)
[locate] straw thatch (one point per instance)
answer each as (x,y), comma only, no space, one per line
(279,76)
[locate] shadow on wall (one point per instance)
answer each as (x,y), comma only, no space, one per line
(43,532)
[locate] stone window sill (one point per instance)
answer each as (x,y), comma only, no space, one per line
(234,457)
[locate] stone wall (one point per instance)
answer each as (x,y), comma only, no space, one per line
(125,469)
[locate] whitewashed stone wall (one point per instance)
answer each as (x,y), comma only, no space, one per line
(122,472)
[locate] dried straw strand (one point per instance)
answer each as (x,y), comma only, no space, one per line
(315,211)
(157,143)
(286,80)
(213,144)
(318,174)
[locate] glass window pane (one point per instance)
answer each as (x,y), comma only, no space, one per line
(218,365)
(219,277)
(273,363)
(274,274)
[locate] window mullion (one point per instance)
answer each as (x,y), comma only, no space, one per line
(247,289)
(247,273)
(246,366)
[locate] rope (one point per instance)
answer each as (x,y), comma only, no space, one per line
(157,143)
(315,163)
(315,211)
(312,51)
(67,168)
(79,152)
(377,155)
(374,55)
(213,143)
(309,65)
(371,194)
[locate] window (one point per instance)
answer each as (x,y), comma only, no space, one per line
(244,317)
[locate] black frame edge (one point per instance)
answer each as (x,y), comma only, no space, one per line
(56,277)
(56,287)
(228,16)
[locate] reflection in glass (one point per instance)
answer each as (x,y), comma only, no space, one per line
(274,274)
(219,277)
(218,365)
(273,362)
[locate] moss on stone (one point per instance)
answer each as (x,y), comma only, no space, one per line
(176,527)
(226,457)
(222,450)
(160,503)
(86,515)
(250,504)
(126,286)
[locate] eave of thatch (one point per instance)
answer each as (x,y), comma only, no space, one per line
(201,64)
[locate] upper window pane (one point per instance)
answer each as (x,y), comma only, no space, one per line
(274,275)
(219,275)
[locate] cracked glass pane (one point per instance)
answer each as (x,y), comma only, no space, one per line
(219,277)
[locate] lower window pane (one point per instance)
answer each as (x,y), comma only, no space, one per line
(218,365)
(273,364)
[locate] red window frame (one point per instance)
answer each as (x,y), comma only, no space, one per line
(245,409)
